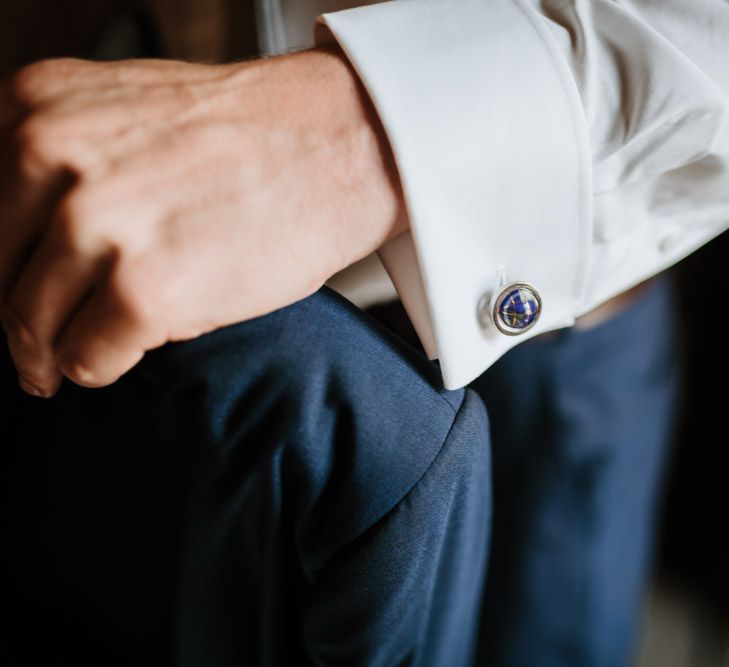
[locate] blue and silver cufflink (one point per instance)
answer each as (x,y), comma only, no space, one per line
(516,309)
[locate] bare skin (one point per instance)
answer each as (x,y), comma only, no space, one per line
(150,201)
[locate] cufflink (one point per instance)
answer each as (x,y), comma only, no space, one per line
(516,309)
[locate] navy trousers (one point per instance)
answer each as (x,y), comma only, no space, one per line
(298,489)
(292,490)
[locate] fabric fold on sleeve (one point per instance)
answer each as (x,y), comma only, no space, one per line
(654,84)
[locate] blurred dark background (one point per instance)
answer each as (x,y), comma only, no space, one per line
(197,30)
(687,608)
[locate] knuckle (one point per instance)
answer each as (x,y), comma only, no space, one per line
(30,379)
(73,365)
(87,218)
(34,81)
(43,379)
(133,299)
(36,146)
(25,82)
(74,217)
(80,224)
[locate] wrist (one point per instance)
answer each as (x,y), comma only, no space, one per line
(329,122)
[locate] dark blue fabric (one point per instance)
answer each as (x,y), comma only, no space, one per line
(292,490)
(298,490)
(581,427)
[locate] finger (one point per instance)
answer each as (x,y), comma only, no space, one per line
(51,287)
(47,81)
(42,81)
(106,338)
(22,219)
(32,180)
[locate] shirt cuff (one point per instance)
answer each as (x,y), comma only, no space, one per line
(489,137)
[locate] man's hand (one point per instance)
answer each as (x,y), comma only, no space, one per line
(149,201)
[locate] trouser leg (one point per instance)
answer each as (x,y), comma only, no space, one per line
(581,425)
(295,489)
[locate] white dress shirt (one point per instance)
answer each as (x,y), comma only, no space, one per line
(579,146)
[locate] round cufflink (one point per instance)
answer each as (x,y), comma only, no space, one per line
(517,309)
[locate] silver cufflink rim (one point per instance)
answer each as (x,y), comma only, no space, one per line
(496,316)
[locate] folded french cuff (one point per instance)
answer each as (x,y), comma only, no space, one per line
(488,134)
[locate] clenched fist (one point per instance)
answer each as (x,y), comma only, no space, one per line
(150,201)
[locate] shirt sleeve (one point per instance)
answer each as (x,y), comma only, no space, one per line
(577,147)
